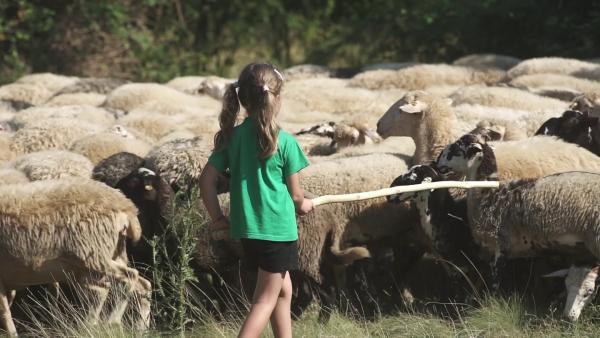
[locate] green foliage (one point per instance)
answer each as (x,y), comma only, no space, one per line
(156,40)
(173,276)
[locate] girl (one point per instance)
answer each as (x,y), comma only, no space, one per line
(263,162)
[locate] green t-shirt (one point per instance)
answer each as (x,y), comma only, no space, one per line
(261,206)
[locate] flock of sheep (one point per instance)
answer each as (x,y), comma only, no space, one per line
(88,166)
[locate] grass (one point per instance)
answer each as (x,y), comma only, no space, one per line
(178,309)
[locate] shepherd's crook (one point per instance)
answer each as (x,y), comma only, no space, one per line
(401,189)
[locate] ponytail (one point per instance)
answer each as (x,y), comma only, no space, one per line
(228,116)
(267,128)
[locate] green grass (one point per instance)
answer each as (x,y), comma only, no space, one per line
(177,311)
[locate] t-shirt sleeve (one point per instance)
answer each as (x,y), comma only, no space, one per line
(294,160)
(219,160)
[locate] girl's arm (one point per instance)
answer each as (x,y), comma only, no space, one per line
(208,188)
(303,205)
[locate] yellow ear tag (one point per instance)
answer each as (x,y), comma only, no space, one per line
(148,187)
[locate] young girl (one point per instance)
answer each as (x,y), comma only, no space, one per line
(265,192)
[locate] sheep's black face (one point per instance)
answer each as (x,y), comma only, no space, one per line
(415,175)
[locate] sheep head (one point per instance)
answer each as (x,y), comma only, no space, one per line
(575,127)
(470,156)
(589,102)
(416,175)
(582,286)
(404,116)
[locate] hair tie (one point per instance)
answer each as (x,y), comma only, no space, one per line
(278,73)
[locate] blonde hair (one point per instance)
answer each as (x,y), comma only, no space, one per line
(257,89)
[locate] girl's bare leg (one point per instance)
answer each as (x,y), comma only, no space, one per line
(266,295)
(281,318)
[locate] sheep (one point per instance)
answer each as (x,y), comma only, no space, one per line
(52,133)
(150,193)
(12,176)
(558,212)
(53,164)
(52,82)
(343,134)
(32,94)
(503,62)
(180,162)
(101,86)
(158,98)
(433,123)
(422,76)
(387,66)
(559,93)
(581,283)
(11,106)
(332,96)
(186,84)
(152,125)
(574,127)
(588,102)
(506,97)
(533,81)
(556,65)
(213,86)
(99,146)
(76,99)
(86,113)
(306,71)
(80,228)
(176,134)
(6,153)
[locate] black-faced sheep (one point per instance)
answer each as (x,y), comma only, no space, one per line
(588,102)
(557,213)
(575,127)
(54,230)
(148,191)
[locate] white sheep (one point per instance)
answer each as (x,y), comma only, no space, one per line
(506,97)
(101,86)
(54,230)
(159,98)
(213,86)
(52,133)
(52,82)
(186,84)
(99,146)
(53,164)
(76,99)
(387,66)
(306,71)
(31,93)
(535,81)
(12,176)
(433,123)
(89,114)
(6,153)
(503,62)
(556,65)
(423,76)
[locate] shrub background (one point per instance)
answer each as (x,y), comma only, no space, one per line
(156,40)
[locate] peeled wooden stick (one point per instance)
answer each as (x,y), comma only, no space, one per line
(401,189)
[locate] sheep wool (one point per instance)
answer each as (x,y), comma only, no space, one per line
(77,220)
(52,82)
(30,93)
(506,97)
(423,76)
(52,133)
(114,168)
(90,114)
(89,99)
(556,65)
(99,146)
(503,62)
(533,81)
(12,176)
(101,86)
(53,164)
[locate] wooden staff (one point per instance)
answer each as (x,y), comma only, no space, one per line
(360,196)
(402,189)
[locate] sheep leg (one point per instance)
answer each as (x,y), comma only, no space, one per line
(141,303)
(10,296)
(6,316)
(96,295)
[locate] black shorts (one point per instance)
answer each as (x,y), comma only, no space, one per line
(271,256)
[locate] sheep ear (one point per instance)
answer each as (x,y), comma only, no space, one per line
(417,107)
(560,273)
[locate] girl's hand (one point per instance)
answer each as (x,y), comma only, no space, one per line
(220,228)
(306,207)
